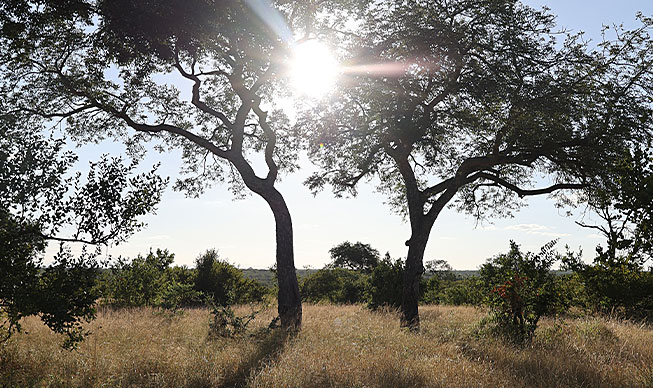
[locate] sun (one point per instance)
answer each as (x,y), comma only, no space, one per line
(313,69)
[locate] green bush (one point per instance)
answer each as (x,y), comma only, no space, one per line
(335,285)
(139,282)
(618,285)
(223,283)
(467,291)
(520,289)
(357,256)
(386,283)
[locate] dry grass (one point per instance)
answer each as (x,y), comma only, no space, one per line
(338,347)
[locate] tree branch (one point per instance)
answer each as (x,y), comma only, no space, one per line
(528,192)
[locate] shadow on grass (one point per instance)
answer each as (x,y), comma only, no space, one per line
(270,344)
(542,368)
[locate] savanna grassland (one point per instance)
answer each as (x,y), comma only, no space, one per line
(339,346)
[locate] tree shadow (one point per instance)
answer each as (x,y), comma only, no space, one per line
(270,344)
(539,369)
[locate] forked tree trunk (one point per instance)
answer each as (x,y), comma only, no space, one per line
(289,301)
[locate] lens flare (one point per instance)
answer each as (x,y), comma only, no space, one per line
(313,69)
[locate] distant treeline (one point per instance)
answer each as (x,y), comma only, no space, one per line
(267,277)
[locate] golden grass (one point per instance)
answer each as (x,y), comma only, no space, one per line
(339,346)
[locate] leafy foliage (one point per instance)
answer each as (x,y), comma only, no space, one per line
(386,282)
(144,281)
(223,283)
(521,289)
(225,323)
(357,256)
(39,202)
(618,280)
(624,202)
(452,291)
(335,285)
(618,285)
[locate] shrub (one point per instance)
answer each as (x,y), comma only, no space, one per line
(521,289)
(139,282)
(357,256)
(225,323)
(618,284)
(223,283)
(386,283)
(467,291)
(335,285)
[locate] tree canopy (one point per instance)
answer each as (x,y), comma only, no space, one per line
(357,256)
(476,104)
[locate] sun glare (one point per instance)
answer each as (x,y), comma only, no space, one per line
(313,69)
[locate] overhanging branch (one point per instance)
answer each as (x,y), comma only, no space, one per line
(528,192)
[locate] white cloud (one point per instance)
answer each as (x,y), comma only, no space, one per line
(528,228)
(552,234)
(536,229)
(447,238)
(596,236)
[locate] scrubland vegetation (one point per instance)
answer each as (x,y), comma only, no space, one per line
(339,346)
(516,324)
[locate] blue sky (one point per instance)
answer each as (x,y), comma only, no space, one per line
(243,230)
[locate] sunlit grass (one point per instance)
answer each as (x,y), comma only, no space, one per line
(339,346)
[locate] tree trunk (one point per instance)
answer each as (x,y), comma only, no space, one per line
(412,275)
(289,301)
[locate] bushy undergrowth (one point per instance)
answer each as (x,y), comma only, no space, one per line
(618,285)
(381,286)
(151,281)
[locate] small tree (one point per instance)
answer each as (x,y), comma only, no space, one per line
(618,280)
(41,201)
(357,256)
(520,289)
(139,282)
(335,285)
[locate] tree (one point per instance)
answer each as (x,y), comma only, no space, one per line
(139,282)
(623,200)
(98,65)
(618,279)
(41,201)
(357,256)
(472,104)
(335,285)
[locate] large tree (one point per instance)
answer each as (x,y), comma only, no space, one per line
(112,69)
(475,104)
